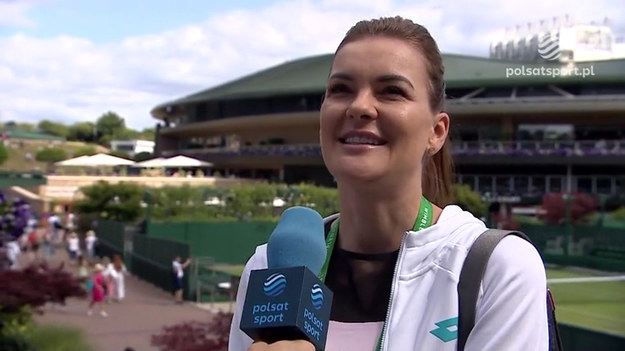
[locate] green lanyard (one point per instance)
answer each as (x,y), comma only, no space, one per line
(424,220)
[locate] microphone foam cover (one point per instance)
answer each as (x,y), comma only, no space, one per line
(298,240)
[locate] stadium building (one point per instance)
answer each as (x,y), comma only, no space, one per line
(519,129)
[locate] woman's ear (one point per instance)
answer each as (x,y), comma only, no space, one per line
(440,130)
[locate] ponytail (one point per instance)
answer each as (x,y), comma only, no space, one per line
(438,176)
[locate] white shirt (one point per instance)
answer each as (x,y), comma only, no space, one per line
(511,308)
(74,244)
(177,266)
(90,241)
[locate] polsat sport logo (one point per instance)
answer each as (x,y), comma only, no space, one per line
(316,295)
(274,285)
(549,46)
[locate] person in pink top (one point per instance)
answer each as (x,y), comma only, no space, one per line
(97,291)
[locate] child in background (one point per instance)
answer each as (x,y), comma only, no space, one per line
(83,272)
(97,291)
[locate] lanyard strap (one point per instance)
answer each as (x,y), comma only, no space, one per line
(424,220)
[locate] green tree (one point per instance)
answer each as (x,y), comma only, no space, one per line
(120,202)
(4,153)
(119,153)
(148,134)
(109,126)
(469,200)
(127,134)
(51,155)
(28,127)
(86,150)
(142,156)
(82,131)
(53,128)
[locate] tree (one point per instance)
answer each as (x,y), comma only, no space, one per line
(119,153)
(4,153)
(85,151)
(469,200)
(142,156)
(120,202)
(127,134)
(580,207)
(53,128)
(82,131)
(51,155)
(148,134)
(109,126)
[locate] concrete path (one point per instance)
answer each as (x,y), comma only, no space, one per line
(131,323)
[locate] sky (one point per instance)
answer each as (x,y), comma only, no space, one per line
(73,60)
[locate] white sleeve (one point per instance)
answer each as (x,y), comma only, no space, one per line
(238,340)
(512,308)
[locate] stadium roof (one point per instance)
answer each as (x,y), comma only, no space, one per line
(308,75)
(22,134)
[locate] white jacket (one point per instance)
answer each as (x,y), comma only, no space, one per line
(511,309)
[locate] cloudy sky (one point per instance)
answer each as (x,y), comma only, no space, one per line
(72,60)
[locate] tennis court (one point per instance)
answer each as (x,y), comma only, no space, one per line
(589,299)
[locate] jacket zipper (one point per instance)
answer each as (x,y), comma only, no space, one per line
(390,302)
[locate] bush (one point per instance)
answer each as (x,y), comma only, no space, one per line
(619,214)
(469,200)
(4,153)
(51,155)
(209,335)
(85,151)
(56,338)
(581,207)
(30,289)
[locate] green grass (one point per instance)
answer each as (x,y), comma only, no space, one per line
(58,338)
(594,305)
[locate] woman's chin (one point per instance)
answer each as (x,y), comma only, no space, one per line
(359,172)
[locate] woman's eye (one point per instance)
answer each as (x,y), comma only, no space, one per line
(338,88)
(393,91)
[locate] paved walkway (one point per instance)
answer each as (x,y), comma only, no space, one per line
(131,323)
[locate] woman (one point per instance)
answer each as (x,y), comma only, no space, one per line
(395,266)
(97,291)
(119,270)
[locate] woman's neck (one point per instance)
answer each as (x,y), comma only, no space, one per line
(375,221)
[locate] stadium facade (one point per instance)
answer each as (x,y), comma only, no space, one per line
(519,129)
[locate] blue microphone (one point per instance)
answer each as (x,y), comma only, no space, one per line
(287,301)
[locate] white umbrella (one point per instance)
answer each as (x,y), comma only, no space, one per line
(153,163)
(76,161)
(100,160)
(181,161)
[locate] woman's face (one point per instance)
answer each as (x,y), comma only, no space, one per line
(376,120)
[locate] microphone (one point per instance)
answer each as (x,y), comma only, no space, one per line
(287,301)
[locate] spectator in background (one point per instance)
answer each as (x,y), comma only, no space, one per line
(98,292)
(178,274)
(73,246)
(90,241)
(118,273)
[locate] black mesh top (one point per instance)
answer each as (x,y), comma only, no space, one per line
(361,284)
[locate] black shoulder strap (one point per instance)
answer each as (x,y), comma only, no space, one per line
(471,277)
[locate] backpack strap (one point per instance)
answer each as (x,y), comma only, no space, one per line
(471,277)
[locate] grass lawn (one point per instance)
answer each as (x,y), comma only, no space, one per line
(58,338)
(593,305)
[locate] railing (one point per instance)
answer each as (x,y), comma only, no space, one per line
(511,148)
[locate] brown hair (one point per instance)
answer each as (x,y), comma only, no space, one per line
(117,263)
(437,169)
